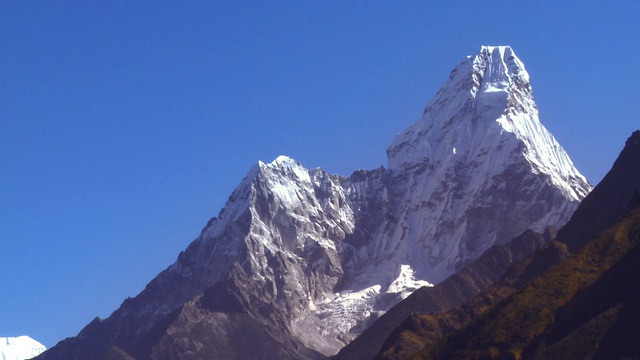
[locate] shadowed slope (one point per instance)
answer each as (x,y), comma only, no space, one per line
(566,312)
(608,201)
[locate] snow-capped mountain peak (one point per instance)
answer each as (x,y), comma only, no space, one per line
(19,348)
(487,100)
(479,89)
(502,68)
(308,259)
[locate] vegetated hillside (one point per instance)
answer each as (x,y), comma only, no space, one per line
(587,306)
(576,305)
(452,292)
(422,330)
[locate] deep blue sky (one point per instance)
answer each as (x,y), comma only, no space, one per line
(126,125)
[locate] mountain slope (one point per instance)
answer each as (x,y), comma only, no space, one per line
(577,298)
(307,260)
(606,204)
(452,292)
(420,331)
(569,311)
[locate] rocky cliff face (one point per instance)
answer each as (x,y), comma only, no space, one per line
(304,260)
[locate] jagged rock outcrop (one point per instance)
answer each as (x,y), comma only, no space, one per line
(305,260)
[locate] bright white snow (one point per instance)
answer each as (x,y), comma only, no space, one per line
(19,348)
(499,98)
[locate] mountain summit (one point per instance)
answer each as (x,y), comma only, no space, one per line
(481,166)
(485,96)
(299,261)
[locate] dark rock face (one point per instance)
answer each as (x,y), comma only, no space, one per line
(115,353)
(205,330)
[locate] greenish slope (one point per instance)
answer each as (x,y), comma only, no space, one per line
(573,311)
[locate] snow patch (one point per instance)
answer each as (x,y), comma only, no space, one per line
(20,348)
(406,281)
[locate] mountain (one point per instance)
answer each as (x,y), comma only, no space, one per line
(19,348)
(299,261)
(552,305)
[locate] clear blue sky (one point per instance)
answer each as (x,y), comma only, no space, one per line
(125,125)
